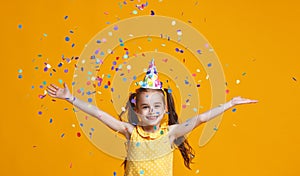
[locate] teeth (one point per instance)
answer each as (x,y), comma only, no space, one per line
(152,117)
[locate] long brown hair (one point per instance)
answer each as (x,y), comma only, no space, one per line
(185,149)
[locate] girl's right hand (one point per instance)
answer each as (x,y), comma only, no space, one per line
(57,92)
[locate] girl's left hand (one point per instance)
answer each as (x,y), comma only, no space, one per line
(239,100)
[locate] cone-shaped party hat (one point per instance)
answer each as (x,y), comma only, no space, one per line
(151,80)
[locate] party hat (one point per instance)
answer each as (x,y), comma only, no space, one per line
(151,80)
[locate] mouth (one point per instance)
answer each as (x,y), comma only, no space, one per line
(151,117)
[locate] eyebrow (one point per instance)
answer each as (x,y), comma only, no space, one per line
(148,104)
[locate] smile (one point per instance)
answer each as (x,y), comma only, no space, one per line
(151,117)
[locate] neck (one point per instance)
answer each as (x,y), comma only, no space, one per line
(151,129)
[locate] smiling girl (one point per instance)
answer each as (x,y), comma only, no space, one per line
(151,140)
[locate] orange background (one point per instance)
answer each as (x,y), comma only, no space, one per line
(259,38)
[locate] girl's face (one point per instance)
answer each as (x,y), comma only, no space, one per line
(150,108)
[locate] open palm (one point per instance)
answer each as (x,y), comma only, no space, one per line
(239,100)
(57,92)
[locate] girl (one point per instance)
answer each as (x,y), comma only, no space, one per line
(151,141)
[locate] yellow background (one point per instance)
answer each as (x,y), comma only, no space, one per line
(259,38)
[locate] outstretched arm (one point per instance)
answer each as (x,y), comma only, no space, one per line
(179,130)
(111,122)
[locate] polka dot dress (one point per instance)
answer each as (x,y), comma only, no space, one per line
(149,154)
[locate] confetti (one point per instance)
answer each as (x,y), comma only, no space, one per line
(294,79)
(179,50)
(173,23)
(134,12)
(234,110)
(237,81)
(179,32)
(152,13)
(51,120)
(142,172)
(66,17)
(67,39)
(62,135)
(20,26)
(78,134)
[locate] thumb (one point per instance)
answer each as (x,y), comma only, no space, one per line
(66,86)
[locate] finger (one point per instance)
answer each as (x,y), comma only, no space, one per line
(66,86)
(55,86)
(51,88)
(51,92)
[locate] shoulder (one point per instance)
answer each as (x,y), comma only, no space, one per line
(127,129)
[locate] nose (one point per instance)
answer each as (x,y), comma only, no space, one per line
(151,109)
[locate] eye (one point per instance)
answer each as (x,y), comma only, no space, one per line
(145,107)
(157,106)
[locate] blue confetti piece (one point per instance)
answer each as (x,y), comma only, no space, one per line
(44,82)
(81,124)
(66,17)
(124,79)
(73,44)
(98,41)
(142,172)
(40,113)
(51,120)
(106,86)
(115,173)
(169,90)
(67,39)
(209,64)
(134,77)
(90,100)
(62,135)
(20,26)
(234,110)
(138,144)
(20,76)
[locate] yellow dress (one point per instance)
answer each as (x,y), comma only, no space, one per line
(149,154)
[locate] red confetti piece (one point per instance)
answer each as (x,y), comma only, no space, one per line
(78,134)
